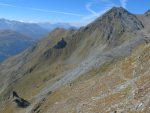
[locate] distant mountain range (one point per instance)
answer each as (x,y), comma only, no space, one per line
(34,30)
(51,26)
(16,36)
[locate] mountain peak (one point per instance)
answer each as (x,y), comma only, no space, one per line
(115,22)
(120,15)
(114,9)
(116,12)
(147,13)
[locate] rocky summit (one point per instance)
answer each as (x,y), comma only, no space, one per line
(103,67)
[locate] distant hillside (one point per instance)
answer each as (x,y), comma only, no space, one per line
(51,26)
(12,43)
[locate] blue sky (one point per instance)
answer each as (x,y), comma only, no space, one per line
(77,12)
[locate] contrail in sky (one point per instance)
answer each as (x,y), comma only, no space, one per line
(42,10)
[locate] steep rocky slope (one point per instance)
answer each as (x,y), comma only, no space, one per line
(121,85)
(103,67)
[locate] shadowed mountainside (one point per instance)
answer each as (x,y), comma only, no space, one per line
(12,43)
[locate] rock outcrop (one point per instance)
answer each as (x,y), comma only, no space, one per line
(61,44)
(20,101)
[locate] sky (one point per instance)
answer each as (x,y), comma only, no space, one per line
(75,12)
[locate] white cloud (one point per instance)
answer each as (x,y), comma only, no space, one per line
(42,10)
(124,3)
(88,7)
(8,5)
(93,16)
(59,12)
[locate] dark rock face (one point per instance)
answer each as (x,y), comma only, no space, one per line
(20,101)
(15,94)
(61,44)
